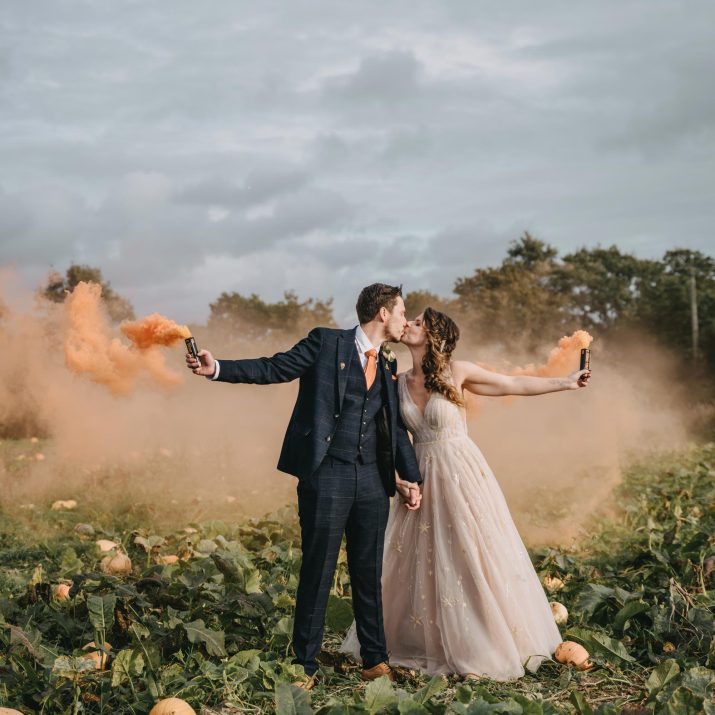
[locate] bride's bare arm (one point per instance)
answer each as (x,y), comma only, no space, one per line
(481,381)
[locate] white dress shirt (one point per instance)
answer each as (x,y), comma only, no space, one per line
(362,343)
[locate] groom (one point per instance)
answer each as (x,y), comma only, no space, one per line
(344,442)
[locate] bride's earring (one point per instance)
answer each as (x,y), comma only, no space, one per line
(441,347)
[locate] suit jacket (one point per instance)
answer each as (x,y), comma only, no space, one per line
(320,361)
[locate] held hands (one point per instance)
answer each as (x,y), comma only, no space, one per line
(410,492)
(579,378)
(206,367)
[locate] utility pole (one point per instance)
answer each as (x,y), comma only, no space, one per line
(694,314)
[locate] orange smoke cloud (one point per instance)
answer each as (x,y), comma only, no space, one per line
(563,359)
(154,330)
(92,350)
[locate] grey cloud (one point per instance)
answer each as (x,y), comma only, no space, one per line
(139,235)
(390,91)
(259,186)
(309,210)
(407,145)
(158,242)
(15,219)
(686,113)
(402,254)
(643,80)
(39,227)
(336,253)
(467,247)
(386,78)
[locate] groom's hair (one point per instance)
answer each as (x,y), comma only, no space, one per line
(374,297)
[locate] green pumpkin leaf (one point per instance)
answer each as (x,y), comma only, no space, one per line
(101,611)
(379,694)
(661,676)
(290,700)
(610,647)
(128,664)
(580,703)
(592,597)
(339,614)
(197,632)
(632,608)
(435,685)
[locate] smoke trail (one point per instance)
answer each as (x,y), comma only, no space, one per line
(154,330)
(562,360)
(91,348)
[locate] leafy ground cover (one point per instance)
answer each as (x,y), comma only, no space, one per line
(213,625)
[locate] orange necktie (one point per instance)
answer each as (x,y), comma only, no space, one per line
(370,367)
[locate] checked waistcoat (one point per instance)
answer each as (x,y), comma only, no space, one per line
(355,437)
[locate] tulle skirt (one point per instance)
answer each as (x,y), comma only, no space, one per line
(459,592)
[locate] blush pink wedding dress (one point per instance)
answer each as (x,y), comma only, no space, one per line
(459,592)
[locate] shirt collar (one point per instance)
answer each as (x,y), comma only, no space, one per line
(363,342)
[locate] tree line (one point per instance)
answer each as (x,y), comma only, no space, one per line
(533,296)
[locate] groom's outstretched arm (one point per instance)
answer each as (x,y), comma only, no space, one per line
(282,367)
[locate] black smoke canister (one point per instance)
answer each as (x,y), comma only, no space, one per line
(193,348)
(585,359)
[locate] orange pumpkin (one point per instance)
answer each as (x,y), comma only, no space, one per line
(61,592)
(571,653)
(561,615)
(98,657)
(117,564)
(172,706)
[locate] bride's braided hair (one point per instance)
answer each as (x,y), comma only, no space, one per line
(442,336)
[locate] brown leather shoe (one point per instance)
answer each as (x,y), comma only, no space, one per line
(307,682)
(377,671)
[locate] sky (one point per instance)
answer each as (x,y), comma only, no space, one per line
(191,148)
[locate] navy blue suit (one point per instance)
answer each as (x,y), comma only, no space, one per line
(320,360)
(342,487)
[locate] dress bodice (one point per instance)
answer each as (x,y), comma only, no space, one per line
(442,419)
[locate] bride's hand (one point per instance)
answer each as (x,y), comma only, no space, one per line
(579,378)
(410,492)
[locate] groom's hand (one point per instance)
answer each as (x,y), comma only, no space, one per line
(207,366)
(410,492)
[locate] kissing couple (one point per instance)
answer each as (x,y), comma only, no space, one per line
(440,579)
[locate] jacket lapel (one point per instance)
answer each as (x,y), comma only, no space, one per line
(346,346)
(386,374)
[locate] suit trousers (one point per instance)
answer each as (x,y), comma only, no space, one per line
(341,498)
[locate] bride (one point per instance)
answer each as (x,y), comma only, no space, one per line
(459,592)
